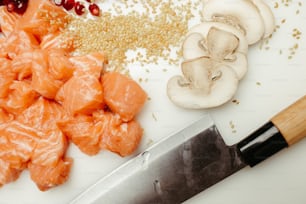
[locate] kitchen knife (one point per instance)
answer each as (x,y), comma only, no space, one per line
(186,163)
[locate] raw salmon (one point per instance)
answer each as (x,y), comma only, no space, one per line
(81,94)
(7,76)
(102,130)
(42,17)
(55,41)
(43,114)
(8,20)
(50,149)
(18,42)
(17,143)
(123,95)
(122,138)
(42,80)
(83,132)
(50,97)
(7,174)
(59,65)
(5,116)
(21,95)
(22,65)
(92,63)
(47,177)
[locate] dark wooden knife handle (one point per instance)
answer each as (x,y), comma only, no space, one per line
(291,122)
(284,129)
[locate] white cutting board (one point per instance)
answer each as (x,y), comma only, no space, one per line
(272,82)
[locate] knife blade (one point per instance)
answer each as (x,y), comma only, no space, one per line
(190,161)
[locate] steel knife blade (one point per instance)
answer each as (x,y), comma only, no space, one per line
(190,161)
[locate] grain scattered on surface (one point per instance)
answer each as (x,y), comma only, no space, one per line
(150,35)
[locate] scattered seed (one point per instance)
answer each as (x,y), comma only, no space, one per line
(154,117)
(235,101)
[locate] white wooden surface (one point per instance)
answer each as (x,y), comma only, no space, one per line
(272,82)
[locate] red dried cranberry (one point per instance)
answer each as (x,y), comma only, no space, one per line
(68,4)
(21,6)
(11,6)
(79,8)
(94,9)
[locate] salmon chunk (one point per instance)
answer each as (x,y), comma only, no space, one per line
(7,76)
(81,94)
(8,20)
(21,96)
(47,177)
(123,95)
(17,142)
(42,80)
(7,174)
(83,132)
(43,114)
(92,63)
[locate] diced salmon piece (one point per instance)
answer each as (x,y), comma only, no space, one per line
(5,116)
(92,63)
(17,143)
(123,95)
(6,77)
(42,81)
(42,17)
(22,65)
(47,177)
(59,65)
(21,95)
(7,174)
(50,148)
(43,114)
(8,20)
(56,41)
(18,42)
(83,132)
(81,94)
(121,138)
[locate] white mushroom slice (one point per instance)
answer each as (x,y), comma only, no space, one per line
(267,16)
(243,12)
(197,72)
(239,63)
(204,28)
(221,43)
(224,83)
(194,46)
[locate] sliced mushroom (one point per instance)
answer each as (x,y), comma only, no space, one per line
(221,43)
(240,12)
(194,46)
(192,40)
(238,62)
(197,72)
(222,81)
(267,16)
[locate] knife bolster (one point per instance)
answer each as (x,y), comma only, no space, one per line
(261,144)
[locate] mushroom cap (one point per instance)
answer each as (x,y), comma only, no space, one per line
(223,88)
(267,16)
(243,12)
(204,28)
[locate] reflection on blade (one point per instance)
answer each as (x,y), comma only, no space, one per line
(171,171)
